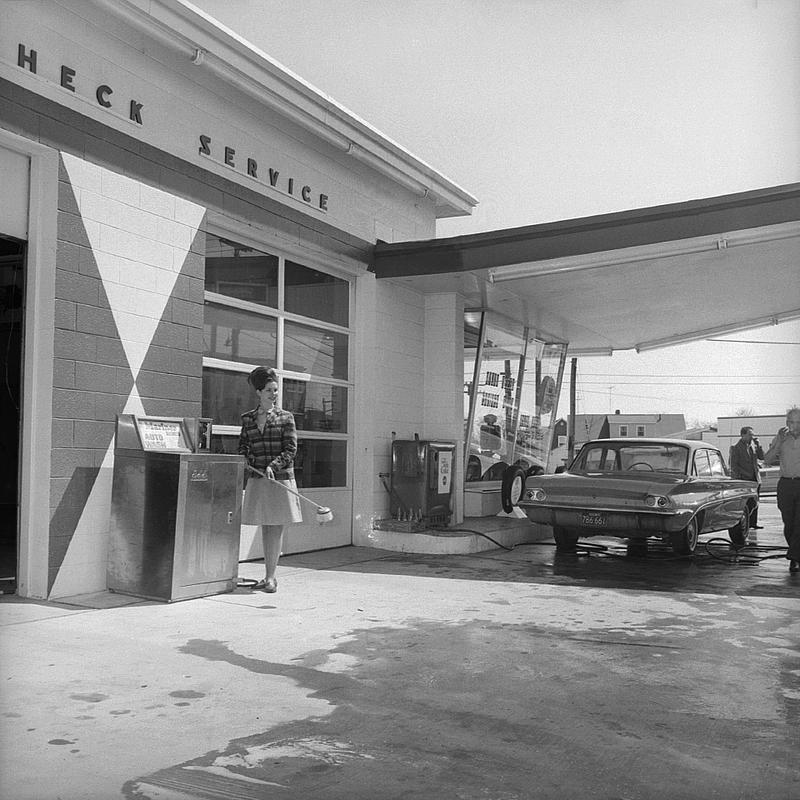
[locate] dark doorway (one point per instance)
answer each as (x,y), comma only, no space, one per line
(12,310)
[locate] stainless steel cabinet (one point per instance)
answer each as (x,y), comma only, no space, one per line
(175,520)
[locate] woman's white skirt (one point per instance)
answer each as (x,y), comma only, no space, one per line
(266,503)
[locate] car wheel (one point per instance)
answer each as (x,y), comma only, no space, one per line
(739,532)
(512,487)
(684,542)
(566,542)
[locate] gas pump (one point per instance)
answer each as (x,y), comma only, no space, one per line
(421,488)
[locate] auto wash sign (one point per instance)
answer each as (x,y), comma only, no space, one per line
(131,99)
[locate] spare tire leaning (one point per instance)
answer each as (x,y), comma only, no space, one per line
(512,487)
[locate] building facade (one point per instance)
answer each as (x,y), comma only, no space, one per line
(179,208)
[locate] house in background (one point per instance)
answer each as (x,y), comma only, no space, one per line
(617,425)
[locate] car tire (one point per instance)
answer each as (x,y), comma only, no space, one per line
(738,533)
(566,541)
(684,542)
(512,487)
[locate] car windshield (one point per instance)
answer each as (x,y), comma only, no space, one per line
(633,457)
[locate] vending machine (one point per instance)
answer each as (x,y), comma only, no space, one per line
(175,510)
(422,481)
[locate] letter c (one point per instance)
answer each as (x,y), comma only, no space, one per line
(102,95)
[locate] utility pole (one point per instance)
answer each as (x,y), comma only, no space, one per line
(573,374)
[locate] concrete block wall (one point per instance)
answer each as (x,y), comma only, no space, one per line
(127,339)
(126,236)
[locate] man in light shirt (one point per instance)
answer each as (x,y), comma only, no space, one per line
(785,450)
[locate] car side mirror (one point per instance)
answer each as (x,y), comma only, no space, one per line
(560,469)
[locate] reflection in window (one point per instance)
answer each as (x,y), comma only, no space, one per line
(235,335)
(250,337)
(226,396)
(316,294)
(242,272)
(515,398)
(701,465)
(320,463)
(315,351)
(316,406)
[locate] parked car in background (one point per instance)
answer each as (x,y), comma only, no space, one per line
(638,489)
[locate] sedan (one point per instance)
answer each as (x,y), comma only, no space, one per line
(638,489)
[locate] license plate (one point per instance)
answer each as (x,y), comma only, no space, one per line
(594,519)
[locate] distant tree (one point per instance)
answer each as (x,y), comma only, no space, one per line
(745,412)
(703,423)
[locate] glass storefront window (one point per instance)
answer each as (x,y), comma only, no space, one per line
(316,406)
(513,400)
(315,351)
(250,336)
(226,396)
(236,335)
(319,463)
(316,294)
(242,272)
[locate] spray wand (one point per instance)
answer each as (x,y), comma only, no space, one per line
(324,514)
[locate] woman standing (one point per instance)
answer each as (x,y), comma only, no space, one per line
(268,441)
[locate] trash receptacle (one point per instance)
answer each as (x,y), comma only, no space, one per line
(175,511)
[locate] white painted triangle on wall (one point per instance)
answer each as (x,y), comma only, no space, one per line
(139,237)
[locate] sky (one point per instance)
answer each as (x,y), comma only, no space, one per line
(557,109)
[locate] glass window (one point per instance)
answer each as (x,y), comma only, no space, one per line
(623,430)
(226,396)
(314,350)
(640,430)
(250,336)
(316,294)
(320,463)
(235,335)
(316,406)
(701,465)
(242,272)
(515,401)
(716,462)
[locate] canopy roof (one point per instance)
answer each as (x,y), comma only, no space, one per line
(637,279)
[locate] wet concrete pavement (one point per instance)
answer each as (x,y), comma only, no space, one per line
(370,674)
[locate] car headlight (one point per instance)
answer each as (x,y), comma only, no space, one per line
(656,501)
(537,494)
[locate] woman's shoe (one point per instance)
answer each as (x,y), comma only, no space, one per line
(271,586)
(259,586)
(794,566)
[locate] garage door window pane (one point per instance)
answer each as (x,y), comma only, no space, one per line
(317,295)
(242,272)
(320,463)
(235,335)
(226,395)
(316,406)
(315,351)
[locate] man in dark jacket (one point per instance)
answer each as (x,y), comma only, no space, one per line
(744,464)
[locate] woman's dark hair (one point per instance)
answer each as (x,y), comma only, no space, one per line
(261,376)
